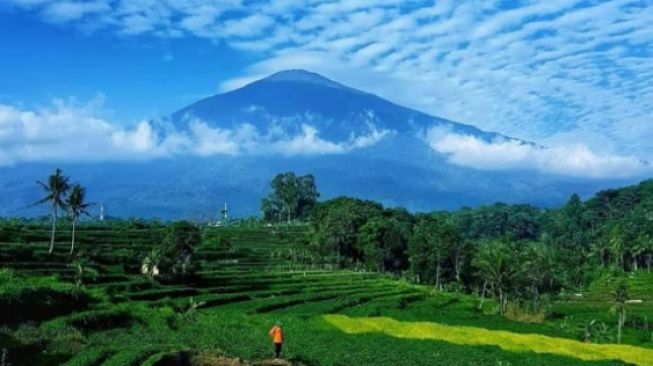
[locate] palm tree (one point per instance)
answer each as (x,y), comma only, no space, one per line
(617,246)
(56,189)
(620,299)
(601,249)
(496,265)
(538,268)
(77,206)
(649,252)
(642,247)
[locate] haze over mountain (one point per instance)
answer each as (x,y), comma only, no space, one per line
(355,143)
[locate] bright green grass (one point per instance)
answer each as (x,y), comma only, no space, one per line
(136,322)
(505,340)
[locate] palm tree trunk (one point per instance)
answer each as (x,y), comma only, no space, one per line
(54,227)
(457,267)
(480,305)
(72,243)
(620,326)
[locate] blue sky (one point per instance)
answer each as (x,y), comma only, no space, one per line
(138,76)
(572,74)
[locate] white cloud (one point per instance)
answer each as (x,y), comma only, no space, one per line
(308,143)
(211,141)
(247,27)
(66,11)
(70,131)
(540,70)
(510,154)
(246,139)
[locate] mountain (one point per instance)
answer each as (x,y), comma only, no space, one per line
(303,95)
(355,143)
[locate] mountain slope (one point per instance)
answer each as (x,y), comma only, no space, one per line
(354,142)
(302,96)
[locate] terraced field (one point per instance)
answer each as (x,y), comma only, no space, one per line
(250,278)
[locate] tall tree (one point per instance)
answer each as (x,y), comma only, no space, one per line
(292,197)
(177,253)
(620,299)
(335,225)
(383,243)
(496,265)
(430,248)
(56,188)
(538,269)
(77,206)
(308,195)
(641,250)
(617,246)
(601,250)
(646,243)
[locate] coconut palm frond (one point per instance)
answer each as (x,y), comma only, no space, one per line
(56,188)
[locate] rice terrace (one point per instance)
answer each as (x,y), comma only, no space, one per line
(326,183)
(146,292)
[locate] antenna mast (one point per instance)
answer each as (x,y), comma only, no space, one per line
(225,214)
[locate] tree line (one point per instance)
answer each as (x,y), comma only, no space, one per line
(516,253)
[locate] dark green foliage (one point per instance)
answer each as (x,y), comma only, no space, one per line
(90,357)
(335,225)
(246,286)
(498,266)
(561,249)
(24,298)
(177,260)
(95,321)
(292,198)
(534,262)
(383,242)
(432,247)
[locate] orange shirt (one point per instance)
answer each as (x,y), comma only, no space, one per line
(276,334)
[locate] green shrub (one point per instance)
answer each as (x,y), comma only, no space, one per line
(131,357)
(103,320)
(31,298)
(87,358)
(178,251)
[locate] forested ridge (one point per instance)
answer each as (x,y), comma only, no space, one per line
(515,252)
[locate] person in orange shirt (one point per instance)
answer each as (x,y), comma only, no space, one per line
(276,333)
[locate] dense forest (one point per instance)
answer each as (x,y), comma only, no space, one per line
(516,253)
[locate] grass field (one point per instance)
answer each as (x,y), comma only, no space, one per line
(250,278)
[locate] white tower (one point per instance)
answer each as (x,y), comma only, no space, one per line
(102,211)
(225,214)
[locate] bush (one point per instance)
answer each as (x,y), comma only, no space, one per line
(28,298)
(91,357)
(102,320)
(178,251)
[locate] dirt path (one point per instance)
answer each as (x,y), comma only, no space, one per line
(216,360)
